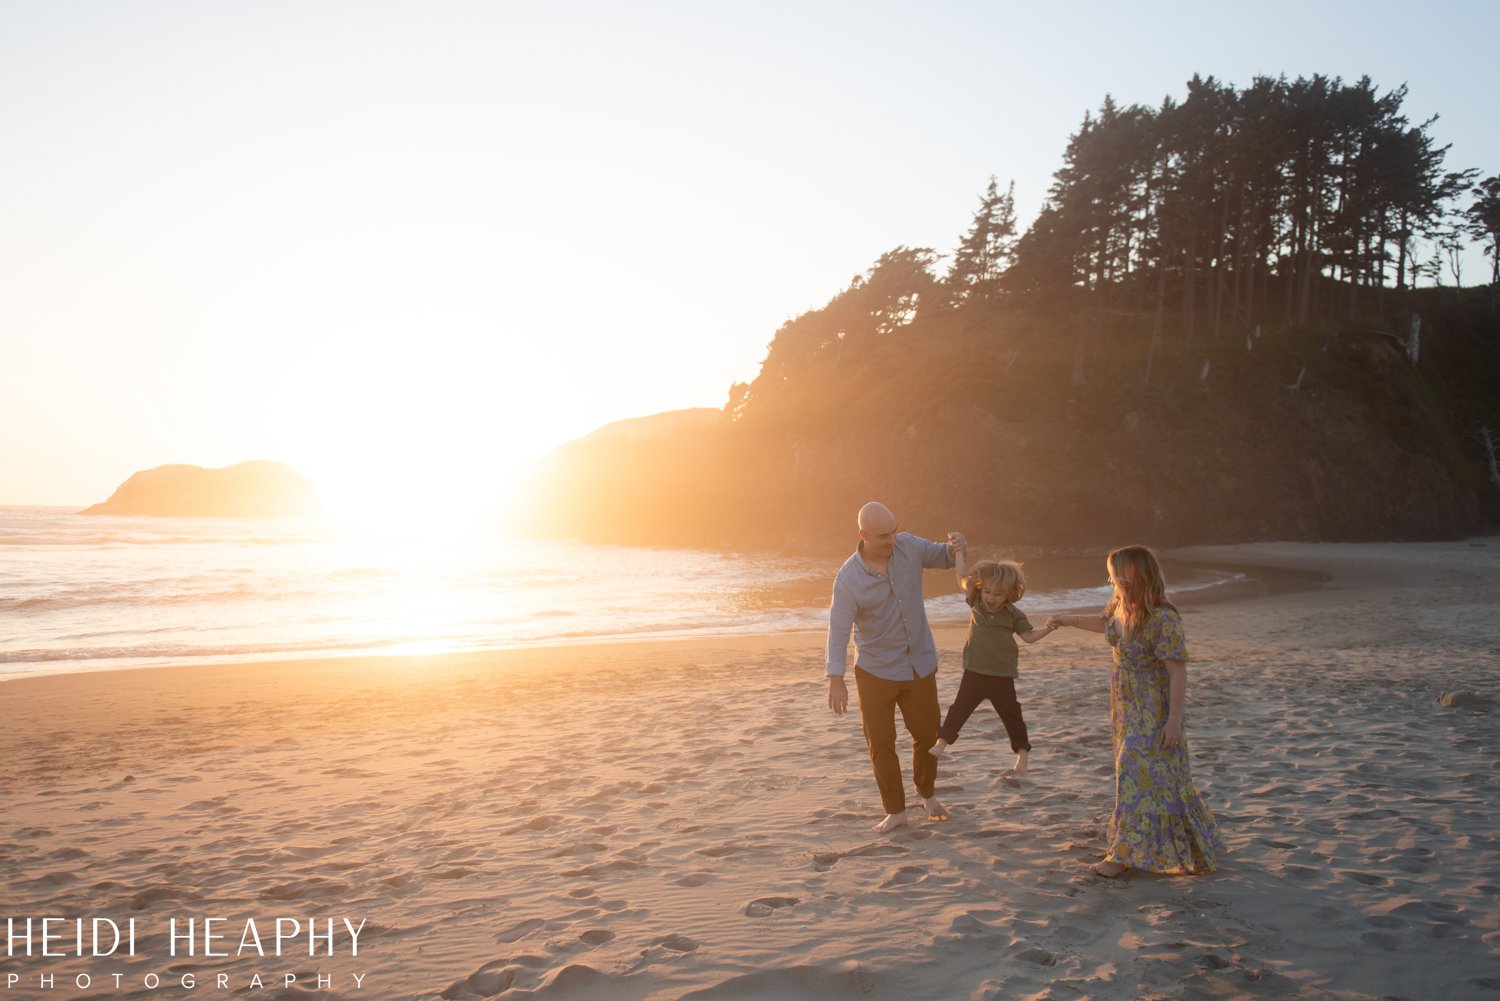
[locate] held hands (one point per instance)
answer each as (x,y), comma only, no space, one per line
(838,694)
(958,542)
(1055,622)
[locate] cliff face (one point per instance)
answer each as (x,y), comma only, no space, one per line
(258,489)
(1045,435)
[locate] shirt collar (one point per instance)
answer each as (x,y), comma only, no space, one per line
(859,553)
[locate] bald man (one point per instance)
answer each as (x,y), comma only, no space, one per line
(878,595)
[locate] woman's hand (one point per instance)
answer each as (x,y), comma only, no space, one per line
(1055,622)
(1171,734)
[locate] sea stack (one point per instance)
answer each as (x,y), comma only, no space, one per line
(259,489)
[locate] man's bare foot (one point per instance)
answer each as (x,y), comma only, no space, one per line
(939,749)
(1107,869)
(890,823)
(1020,766)
(935,810)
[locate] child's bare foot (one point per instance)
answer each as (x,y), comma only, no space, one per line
(1107,869)
(890,823)
(939,749)
(935,810)
(1020,766)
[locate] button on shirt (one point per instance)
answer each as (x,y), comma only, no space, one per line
(886,612)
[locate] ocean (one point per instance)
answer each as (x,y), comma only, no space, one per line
(90,593)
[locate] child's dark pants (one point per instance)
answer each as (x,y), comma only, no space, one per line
(975,688)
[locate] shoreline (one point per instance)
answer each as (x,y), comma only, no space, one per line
(657,820)
(1269,578)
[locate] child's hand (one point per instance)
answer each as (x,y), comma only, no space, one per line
(1054,622)
(958,542)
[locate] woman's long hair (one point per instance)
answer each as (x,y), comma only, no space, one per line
(1138,592)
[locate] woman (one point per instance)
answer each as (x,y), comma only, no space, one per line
(1160,823)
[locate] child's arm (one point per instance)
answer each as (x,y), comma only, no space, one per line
(1093,623)
(1037,634)
(961,564)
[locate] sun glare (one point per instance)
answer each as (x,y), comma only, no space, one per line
(411,435)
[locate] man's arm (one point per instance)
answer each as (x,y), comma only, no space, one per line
(939,555)
(840,622)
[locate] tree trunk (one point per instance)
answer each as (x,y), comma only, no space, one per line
(1218,287)
(1489,453)
(1078,352)
(1161,299)
(1189,285)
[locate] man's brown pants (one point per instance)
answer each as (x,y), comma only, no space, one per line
(878,701)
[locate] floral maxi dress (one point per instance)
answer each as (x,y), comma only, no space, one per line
(1160,823)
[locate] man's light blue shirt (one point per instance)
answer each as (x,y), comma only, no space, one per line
(886,612)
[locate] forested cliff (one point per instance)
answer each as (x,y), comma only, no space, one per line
(1211,333)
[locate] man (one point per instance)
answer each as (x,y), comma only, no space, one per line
(878,594)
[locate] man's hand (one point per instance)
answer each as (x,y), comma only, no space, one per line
(958,542)
(838,694)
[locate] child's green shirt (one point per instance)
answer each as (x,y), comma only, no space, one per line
(990,648)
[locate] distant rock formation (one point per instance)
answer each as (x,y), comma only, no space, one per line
(258,489)
(636,481)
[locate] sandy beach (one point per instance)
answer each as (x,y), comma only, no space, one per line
(687,820)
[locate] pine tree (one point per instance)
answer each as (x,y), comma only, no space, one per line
(1484,222)
(988,249)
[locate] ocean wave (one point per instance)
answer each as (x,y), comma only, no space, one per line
(182,651)
(137,596)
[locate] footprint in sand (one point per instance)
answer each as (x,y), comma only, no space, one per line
(517,932)
(581,848)
(675,943)
(1380,814)
(877,849)
(489,980)
(1368,879)
(904,875)
(1382,941)
(603,869)
(972,928)
(721,851)
(763,906)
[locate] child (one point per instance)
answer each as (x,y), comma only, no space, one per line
(992,588)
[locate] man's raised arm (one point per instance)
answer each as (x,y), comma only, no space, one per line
(939,555)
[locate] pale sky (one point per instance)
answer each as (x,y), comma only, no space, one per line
(404,247)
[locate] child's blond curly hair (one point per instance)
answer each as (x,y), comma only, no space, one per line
(1004,575)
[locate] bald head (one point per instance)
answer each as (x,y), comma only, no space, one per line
(876,518)
(877,533)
